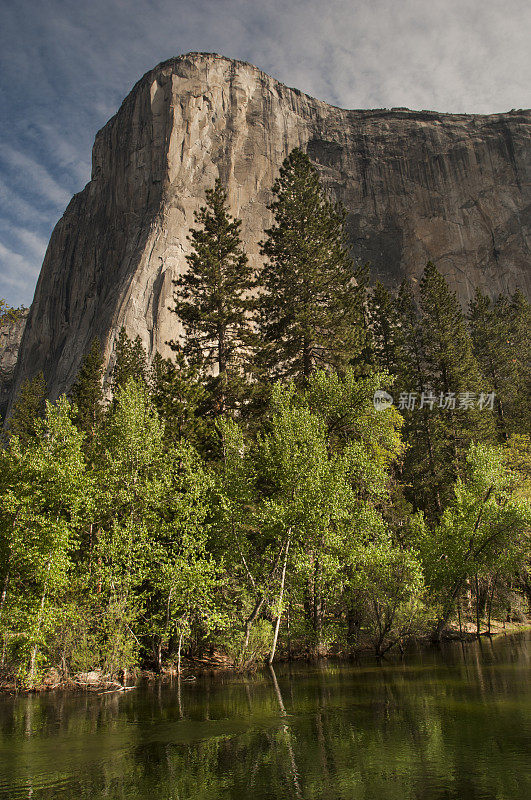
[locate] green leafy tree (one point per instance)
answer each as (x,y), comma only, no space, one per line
(482,522)
(183,578)
(296,492)
(370,442)
(7,313)
(44,492)
(131,463)
(311,310)
(214,299)
(390,583)
(28,409)
(291,498)
(181,400)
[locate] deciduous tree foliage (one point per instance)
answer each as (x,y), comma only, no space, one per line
(248,495)
(484,520)
(43,498)
(28,409)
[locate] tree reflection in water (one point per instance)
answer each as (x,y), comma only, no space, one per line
(448,723)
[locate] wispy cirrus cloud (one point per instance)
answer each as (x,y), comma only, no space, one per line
(32,177)
(65,67)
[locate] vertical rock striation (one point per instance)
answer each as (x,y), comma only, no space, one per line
(11,330)
(418,186)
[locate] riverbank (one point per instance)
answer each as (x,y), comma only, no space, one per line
(98,682)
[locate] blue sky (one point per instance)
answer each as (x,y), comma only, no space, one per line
(66,65)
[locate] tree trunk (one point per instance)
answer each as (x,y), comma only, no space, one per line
(447,612)
(260,600)
(179,653)
(319,605)
(33,658)
(4,592)
(222,368)
(34,649)
(493,587)
(277,626)
(306,360)
(250,619)
(478,621)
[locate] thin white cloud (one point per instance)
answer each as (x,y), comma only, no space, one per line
(32,243)
(18,271)
(65,152)
(15,207)
(33,177)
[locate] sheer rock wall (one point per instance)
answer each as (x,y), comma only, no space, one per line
(418,186)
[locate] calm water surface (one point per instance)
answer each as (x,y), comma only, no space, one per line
(453,723)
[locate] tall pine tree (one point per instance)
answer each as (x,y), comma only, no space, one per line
(180,399)
(311,311)
(452,367)
(383,323)
(421,474)
(214,300)
(130,363)
(520,356)
(489,329)
(450,408)
(87,392)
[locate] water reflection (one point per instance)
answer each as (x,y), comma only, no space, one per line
(452,723)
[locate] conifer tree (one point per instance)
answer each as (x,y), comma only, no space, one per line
(451,366)
(500,332)
(87,392)
(28,409)
(450,408)
(311,313)
(420,469)
(448,347)
(213,299)
(520,360)
(489,330)
(131,362)
(180,399)
(384,324)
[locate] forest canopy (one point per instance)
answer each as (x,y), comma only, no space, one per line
(323,465)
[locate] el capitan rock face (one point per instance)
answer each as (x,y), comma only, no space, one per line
(11,330)
(418,186)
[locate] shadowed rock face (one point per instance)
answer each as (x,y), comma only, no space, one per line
(418,186)
(11,330)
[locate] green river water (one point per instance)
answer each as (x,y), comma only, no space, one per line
(448,723)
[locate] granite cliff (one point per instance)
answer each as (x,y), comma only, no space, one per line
(418,186)
(11,330)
